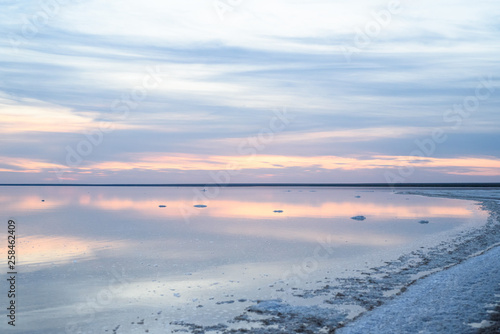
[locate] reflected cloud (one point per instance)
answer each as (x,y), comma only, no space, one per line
(299,234)
(221,207)
(31,202)
(42,250)
(256,210)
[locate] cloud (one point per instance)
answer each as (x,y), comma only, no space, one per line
(62,69)
(233,165)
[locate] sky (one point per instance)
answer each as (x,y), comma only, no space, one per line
(230,91)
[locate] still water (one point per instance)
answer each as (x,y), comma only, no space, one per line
(90,259)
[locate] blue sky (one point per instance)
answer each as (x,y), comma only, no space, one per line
(288,91)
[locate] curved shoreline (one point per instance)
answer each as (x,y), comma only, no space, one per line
(455,300)
(463,299)
(371,291)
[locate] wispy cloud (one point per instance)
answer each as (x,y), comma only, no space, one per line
(62,68)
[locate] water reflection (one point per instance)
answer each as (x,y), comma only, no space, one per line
(86,222)
(68,242)
(57,250)
(234,203)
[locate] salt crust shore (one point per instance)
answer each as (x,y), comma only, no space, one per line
(462,299)
(451,301)
(448,288)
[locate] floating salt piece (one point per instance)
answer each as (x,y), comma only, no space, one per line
(278,211)
(162,206)
(358,217)
(225,302)
(177,294)
(357,196)
(200,206)
(43,200)
(423,222)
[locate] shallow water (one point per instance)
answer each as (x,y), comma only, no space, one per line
(93,258)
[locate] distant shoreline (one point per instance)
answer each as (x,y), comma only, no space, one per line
(350,185)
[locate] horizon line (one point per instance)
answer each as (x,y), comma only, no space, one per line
(367,184)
